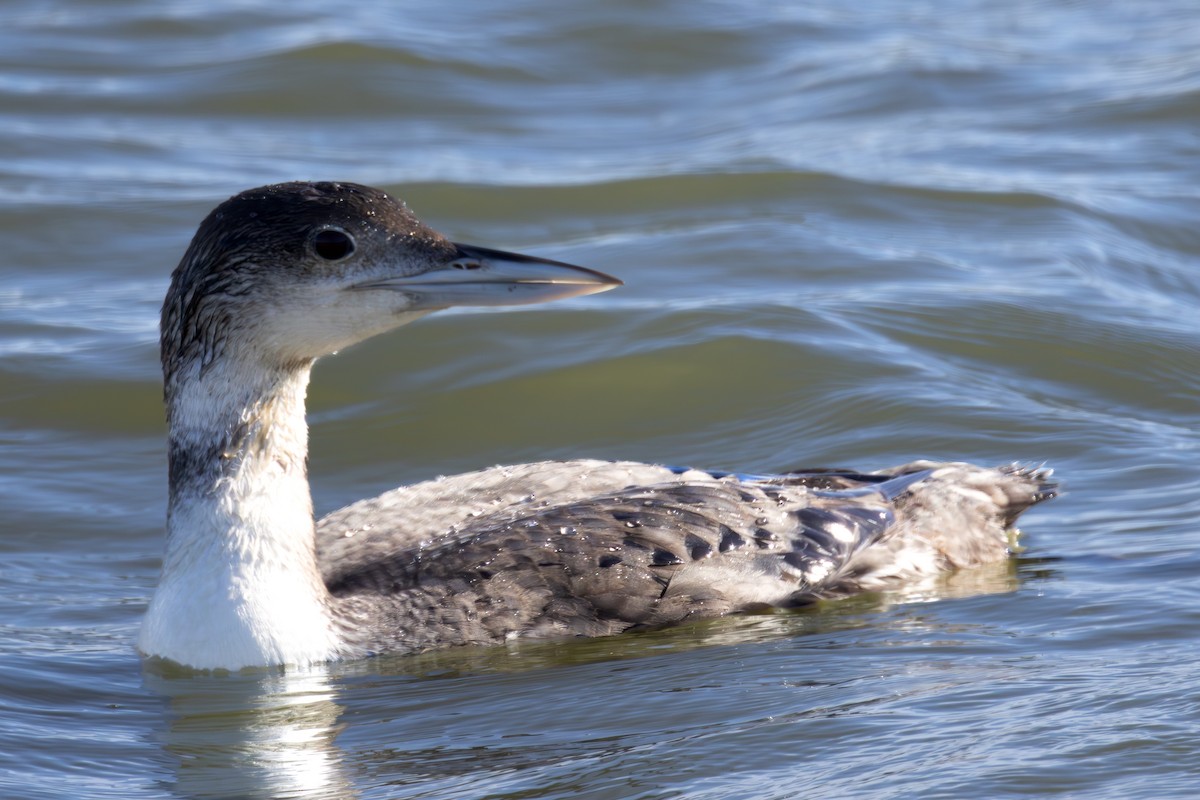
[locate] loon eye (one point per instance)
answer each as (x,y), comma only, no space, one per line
(332,244)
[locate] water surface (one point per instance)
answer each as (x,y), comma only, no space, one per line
(851,235)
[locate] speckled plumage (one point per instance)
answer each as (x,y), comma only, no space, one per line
(277,277)
(589,548)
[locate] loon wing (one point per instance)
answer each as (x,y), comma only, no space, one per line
(696,544)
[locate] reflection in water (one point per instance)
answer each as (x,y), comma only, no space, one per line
(273,734)
(999,577)
(268,735)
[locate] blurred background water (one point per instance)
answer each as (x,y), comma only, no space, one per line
(852,234)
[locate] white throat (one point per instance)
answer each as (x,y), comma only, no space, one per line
(240,584)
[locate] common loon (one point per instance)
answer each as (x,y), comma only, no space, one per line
(279,276)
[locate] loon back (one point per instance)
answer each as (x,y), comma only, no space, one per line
(526,551)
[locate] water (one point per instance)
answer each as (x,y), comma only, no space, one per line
(851,234)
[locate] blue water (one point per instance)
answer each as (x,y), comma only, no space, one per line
(850,235)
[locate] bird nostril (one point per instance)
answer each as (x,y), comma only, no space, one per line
(465,264)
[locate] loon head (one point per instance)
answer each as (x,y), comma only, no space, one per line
(283,274)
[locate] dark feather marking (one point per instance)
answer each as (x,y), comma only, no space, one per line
(764,537)
(697,548)
(816,518)
(730,539)
(665,558)
(799,560)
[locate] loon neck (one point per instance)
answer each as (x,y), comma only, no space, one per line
(240,583)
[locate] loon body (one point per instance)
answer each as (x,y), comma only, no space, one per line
(277,277)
